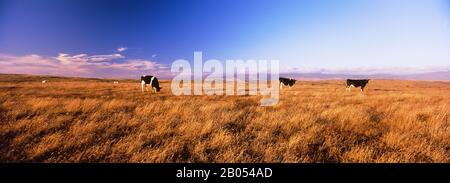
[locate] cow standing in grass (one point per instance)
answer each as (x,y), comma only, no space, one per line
(287,82)
(152,81)
(356,83)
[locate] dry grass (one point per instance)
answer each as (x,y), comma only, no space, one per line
(77,120)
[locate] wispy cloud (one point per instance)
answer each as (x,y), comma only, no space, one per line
(83,65)
(121,49)
(66,58)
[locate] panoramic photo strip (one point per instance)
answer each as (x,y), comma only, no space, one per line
(224,90)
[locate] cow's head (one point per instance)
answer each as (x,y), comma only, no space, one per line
(158,89)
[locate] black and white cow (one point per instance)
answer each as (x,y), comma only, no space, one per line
(287,82)
(356,83)
(150,80)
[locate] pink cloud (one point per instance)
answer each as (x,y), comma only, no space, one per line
(66,58)
(81,65)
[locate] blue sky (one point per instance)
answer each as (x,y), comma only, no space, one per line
(41,36)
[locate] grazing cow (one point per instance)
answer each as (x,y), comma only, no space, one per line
(356,83)
(150,80)
(287,82)
(44,81)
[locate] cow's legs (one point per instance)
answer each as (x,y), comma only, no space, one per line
(281,85)
(350,88)
(154,90)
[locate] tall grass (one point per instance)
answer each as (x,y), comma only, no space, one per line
(77,120)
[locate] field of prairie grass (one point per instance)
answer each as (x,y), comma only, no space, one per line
(93,120)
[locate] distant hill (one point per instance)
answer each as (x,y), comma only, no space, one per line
(430,76)
(440,76)
(444,75)
(38,78)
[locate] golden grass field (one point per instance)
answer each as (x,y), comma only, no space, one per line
(92,120)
